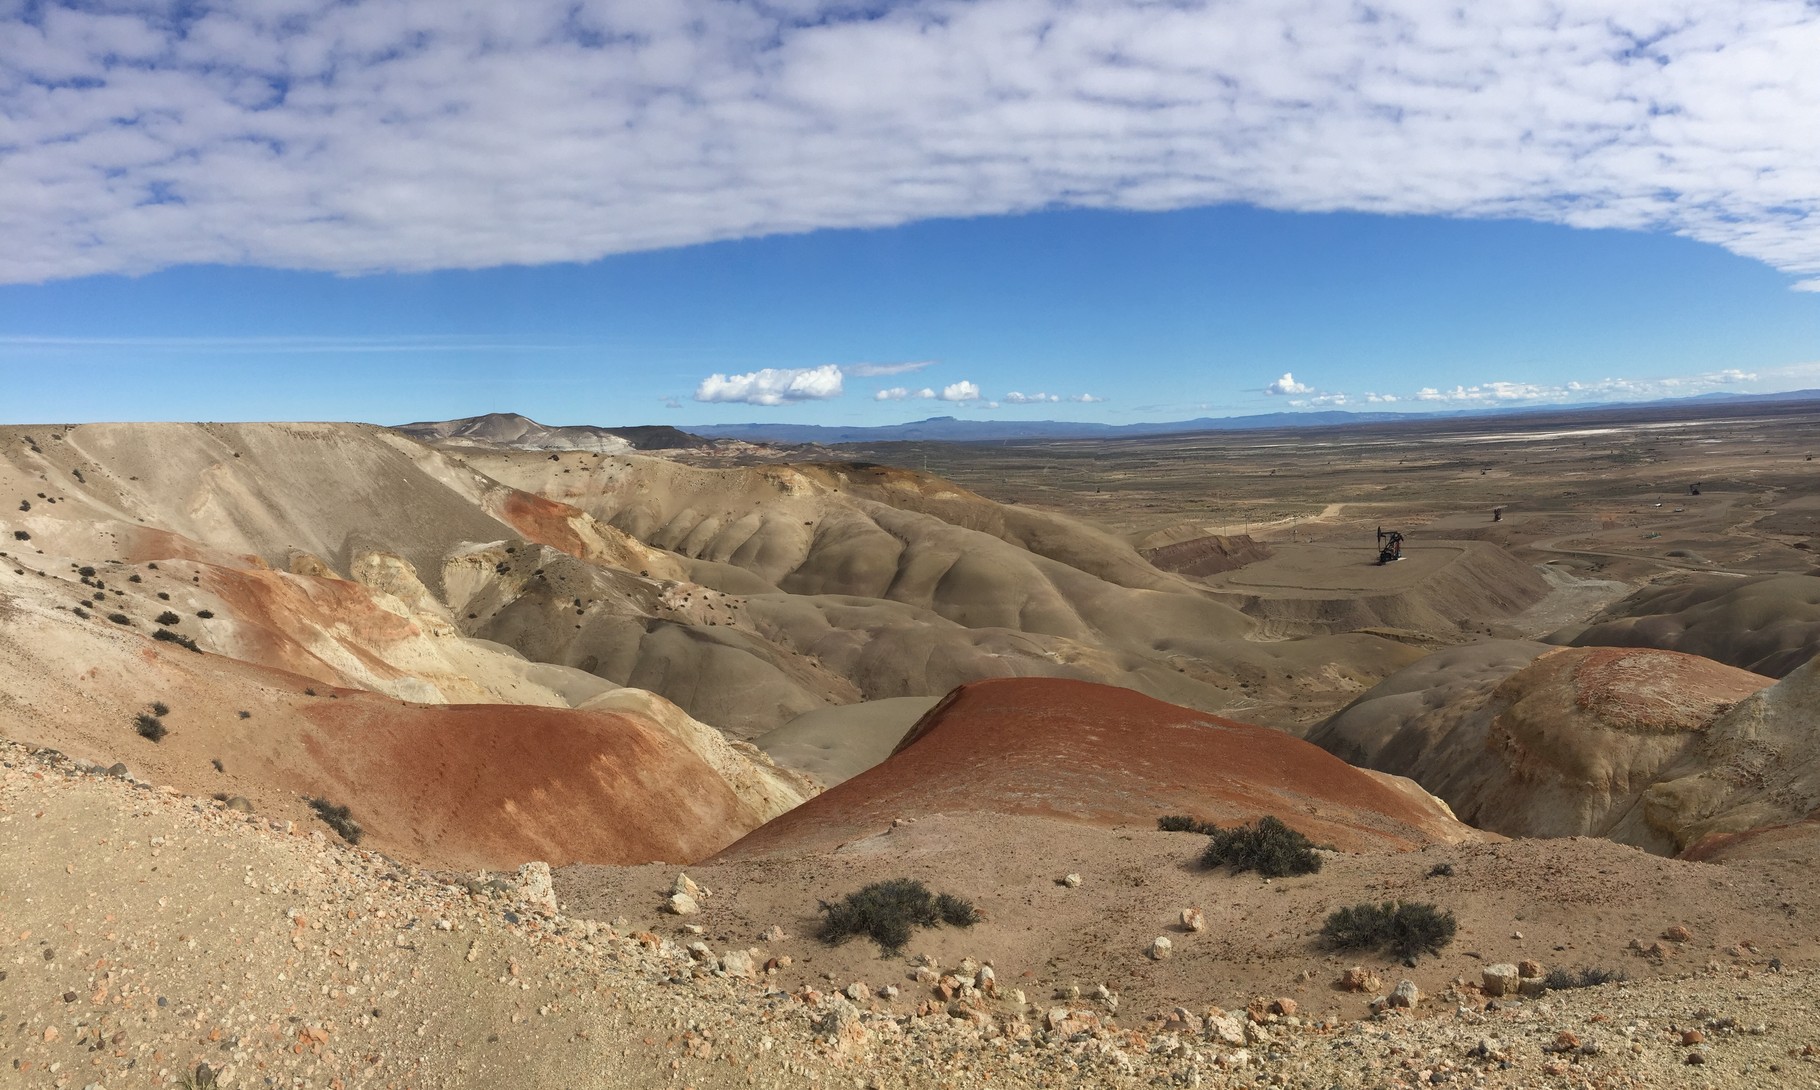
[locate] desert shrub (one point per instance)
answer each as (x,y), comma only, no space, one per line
(337,818)
(887,912)
(25,505)
(244,714)
(167,617)
(168,636)
(1586,977)
(205,614)
(134,578)
(86,572)
(119,618)
(21,535)
(1182,823)
(956,911)
(309,692)
(164,596)
(80,612)
(159,707)
(1268,846)
(1405,930)
(150,727)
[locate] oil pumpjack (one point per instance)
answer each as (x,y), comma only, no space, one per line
(1390,546)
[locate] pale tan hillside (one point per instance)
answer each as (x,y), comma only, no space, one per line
(1564,742)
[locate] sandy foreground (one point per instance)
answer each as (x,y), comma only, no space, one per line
(144,932)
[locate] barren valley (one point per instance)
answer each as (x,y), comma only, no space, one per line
(483,753)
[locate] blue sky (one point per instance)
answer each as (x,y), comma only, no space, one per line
(703,212)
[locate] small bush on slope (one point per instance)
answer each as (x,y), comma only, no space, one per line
(887,912)
(1269,847)
(1406,930)
(338,818)
(150,727)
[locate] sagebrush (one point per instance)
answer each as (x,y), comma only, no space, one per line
(1405,929)
(889,912)
(1267,846)
(338,818)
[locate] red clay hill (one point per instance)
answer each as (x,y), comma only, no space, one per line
(1081,752)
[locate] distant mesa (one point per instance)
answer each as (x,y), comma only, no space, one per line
(1101,755)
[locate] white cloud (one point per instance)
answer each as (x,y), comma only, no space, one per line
(1016,398)
(411,134)
(900,393)
(773,385)
(879,370)
(959,391)
(1087,399)
(1288,385)
(1592,390)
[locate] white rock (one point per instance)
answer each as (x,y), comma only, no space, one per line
(681,904)
(1499,980)
(1193,920)
(685,884)
(1160,948)
(535,889)
(738,963)
(1072,881)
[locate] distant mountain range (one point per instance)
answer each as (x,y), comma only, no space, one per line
(949,429)
(513,430)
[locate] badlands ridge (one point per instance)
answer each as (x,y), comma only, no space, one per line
(615,653)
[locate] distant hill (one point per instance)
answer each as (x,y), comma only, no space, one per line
(523,433)
(951,429)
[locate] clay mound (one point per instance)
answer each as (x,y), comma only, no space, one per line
(1105,756)
(1757,766)
(628,779)
(1567,745)
(1768,625)
(1309,588)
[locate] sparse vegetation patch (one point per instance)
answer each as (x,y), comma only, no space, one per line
(150,727)
(168,636)
(888,912)
(1267,846)
(1561,980)
(337,818)
(1405,930)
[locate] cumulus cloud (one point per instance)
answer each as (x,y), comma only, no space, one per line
(1016,398)
(959,391)
(880,370)
(1087,399)
(1603,389)
(411,134)
(1288,385)
(773,385)
(901,393)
